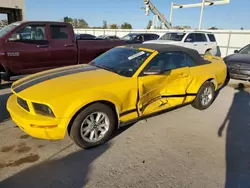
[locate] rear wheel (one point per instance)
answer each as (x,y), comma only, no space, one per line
(93,126)
(205,96)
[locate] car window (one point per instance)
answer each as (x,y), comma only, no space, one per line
(59,32)
(140,38)
(211,37)
(245,50)
(32,32)
(155,37)
(147,37)
(178,36)
(190,62)
(200,37)
(166,61)
(190,38)
(124,61)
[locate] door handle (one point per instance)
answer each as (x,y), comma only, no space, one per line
(42,46)
(68,45)
(205,44)
(195,44)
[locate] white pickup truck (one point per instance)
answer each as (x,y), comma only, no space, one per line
(203,42)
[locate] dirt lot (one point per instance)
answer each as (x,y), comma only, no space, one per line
(179,149)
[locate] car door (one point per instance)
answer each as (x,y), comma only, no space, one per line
(165,89)
(62,46)
(189,41)
(201,43)
(27,49)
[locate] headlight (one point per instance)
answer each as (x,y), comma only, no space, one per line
(43,110)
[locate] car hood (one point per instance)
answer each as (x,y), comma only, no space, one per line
(244,58)
(49,85)
(163,42)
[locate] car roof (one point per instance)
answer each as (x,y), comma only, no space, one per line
(190,31)
(168,48)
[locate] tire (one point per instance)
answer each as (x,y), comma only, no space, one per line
(227,80)
(92,110)
(197,103)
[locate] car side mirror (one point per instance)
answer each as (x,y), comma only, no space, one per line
(15,37)
(189,40)
(152,71)
(236,51)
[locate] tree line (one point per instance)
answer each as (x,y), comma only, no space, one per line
(81,23)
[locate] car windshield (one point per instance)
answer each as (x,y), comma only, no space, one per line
(129,37)
(245,50)
(173,36)
(123,61)
(6,29)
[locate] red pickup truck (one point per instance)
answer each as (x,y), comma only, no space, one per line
(30,47)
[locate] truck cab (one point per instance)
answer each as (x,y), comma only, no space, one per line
(30,47)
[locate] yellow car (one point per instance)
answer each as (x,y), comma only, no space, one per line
(127,83)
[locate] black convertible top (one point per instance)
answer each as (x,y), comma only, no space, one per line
(173,48)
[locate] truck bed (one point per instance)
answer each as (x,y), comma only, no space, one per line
(90,49)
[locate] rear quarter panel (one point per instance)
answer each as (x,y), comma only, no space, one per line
(90,49)
(215,70)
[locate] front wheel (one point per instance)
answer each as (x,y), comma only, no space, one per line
(93,126)
(205,96)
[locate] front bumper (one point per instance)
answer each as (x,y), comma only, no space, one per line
(37,126)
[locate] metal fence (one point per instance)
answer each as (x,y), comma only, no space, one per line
(228,40)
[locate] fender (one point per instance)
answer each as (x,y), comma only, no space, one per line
(197,83)
(98,96)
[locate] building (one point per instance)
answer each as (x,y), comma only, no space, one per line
(15,10)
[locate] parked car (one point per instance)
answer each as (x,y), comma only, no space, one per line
(108,37)
(85,36)
(239,64)
(203,42)
(138,38)
(30,47)
(120,86)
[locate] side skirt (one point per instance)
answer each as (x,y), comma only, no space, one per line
(122,124)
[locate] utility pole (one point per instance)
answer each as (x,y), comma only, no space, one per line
(201,16)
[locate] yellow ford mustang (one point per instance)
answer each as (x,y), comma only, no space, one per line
(124,84)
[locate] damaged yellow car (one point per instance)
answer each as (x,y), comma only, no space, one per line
(127,83)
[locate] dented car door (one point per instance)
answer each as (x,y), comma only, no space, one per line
(163,89)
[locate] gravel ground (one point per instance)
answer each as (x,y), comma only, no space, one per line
(183,148)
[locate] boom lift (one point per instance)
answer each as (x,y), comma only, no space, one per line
(153,9)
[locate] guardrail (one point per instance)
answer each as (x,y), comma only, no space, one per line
(227,40)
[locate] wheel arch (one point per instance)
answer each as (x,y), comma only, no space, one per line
(106,102)
(212,80)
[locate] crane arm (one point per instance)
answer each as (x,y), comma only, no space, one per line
(150,6)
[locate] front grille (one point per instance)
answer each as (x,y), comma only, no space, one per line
(23,104)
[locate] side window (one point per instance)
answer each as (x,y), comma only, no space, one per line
(32,32)
(190,62)
(167,61)
(140,38)
(200,37)
(190,38)
(59,32)
(155,37)
(147,37)
(211,37)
